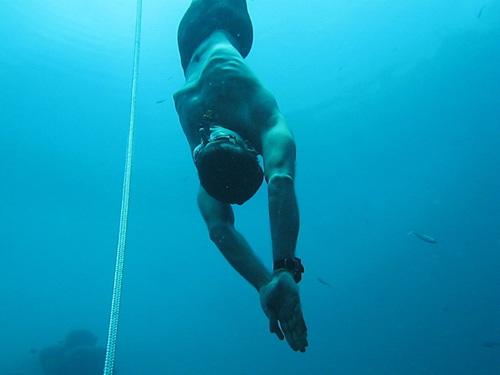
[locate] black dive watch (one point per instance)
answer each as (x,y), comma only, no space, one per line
(294,265)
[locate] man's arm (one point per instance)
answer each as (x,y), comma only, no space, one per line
(280,298)
(219,218)
(278,148)
(279,295)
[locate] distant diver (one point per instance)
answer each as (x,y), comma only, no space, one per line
(423,237)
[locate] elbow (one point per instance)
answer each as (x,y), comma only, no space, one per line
(219,232)
(279,182)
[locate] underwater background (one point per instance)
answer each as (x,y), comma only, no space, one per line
(395,106)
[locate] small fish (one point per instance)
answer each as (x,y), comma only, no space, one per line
(324,282)
(480,12)
(423,237)
(490,344)
(160,101)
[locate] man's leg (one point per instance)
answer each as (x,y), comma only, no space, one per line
(206,16)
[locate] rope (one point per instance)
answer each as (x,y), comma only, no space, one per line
(122,234)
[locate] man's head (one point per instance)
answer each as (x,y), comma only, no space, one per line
(228,167)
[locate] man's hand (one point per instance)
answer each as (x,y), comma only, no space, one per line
(280,301)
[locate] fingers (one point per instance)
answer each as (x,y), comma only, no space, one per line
(295,331)
(274,326)
(281,303)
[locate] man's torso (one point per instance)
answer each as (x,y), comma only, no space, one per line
(220,82)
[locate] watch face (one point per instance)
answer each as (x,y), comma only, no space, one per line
(290,264)
(293,265)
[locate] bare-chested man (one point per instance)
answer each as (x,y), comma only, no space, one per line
(229,118)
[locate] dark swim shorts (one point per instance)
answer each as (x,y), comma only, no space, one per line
(206,16)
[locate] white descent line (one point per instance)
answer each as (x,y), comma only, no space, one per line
(122,233)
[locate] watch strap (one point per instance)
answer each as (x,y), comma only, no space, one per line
(294,265)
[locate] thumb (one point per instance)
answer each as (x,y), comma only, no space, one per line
(273,324)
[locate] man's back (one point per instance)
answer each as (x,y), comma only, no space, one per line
(219,81)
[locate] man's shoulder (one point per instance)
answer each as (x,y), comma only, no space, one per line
(185,94)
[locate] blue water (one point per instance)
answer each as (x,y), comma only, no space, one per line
(396,111)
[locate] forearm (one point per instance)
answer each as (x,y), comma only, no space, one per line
(238,253)
(283,216)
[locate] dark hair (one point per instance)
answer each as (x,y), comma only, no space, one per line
(229,172)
